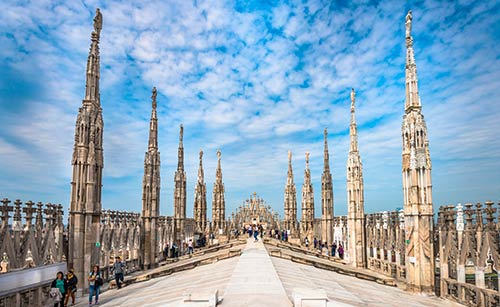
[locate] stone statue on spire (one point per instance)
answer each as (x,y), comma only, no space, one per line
(307,158)
(153,97)
(97,21)
(408,23)
(218,154)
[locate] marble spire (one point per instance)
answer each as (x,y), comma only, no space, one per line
(87,162)
(92,94)
(180,194)
(417,181)
(151,192)
(412,99)
(200,198)
(307,221)
(355,197)
(218,200)
(180,181)
(290,200)
(326,196)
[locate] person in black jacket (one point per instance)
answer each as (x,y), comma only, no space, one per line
(72,282)
(61,284)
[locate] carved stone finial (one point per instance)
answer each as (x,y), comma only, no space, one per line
(409,18)
(201,155)
(307,158)
(153,97)
(97,21)
(218,154)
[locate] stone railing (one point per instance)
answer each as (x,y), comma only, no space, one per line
(468,251)
(385,246)
(340,230)
(25,243)
(28,287)
(120,236)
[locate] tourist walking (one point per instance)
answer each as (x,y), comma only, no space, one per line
(255,233)
(117,269)
(165,251)
(315,243)
(341,251)
(190,247)
(334,248)
(60,284)
(72,282)
(95,283)
(306,242)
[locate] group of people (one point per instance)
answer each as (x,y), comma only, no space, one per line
(173,251)
(323,245)
(254,230)
(64,286)
(280,235)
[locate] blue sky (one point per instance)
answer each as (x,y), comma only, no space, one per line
(255,79)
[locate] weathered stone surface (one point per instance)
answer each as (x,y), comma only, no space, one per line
(151,192)
(355,249)
(87,162)
(307,220)
(218,201)
(417,183)
(326,197)
(200,199)
(290,202)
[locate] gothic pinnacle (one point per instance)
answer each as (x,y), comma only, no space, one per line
(180,162)
(200,170)
(153,98)
(326,155)
(353,129)
(412,100)
(153,126)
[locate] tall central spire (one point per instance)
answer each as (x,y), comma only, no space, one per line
(353,130)
(412,100)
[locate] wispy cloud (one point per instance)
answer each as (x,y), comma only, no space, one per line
(256,81)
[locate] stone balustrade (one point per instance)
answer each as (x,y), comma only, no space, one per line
(385,246)
(31,235)
(468,253)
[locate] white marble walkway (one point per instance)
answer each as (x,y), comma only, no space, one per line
(257,280)
(254,281)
